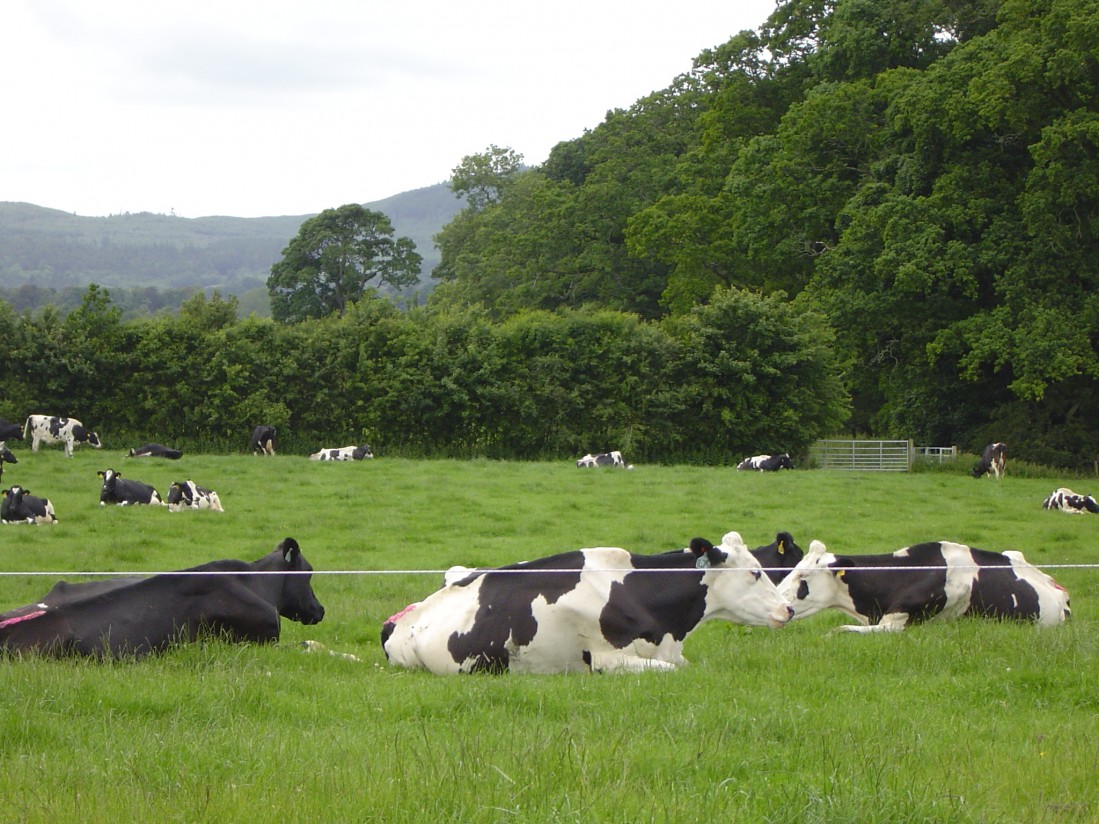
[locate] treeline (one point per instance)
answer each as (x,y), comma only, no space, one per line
(741,375)
(925,174)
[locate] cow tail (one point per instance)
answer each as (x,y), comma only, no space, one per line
(27,428)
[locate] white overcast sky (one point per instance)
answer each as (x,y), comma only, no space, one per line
(253,108)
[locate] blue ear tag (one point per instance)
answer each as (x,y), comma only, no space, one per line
(703,562)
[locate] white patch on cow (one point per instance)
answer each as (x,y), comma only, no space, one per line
(1053,599)
(961,576)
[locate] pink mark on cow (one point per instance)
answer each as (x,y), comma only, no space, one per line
(20,618)
(392,619)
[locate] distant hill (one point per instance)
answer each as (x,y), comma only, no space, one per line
(51,249)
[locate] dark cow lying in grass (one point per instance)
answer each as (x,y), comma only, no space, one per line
(18,506)
(886,593)
(156,450)
(1074,503)
(767,463)
(125,491)
(123,617)
(600,609)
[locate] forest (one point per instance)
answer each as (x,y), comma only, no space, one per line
(867,217)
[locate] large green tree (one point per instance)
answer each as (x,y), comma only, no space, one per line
(333,259)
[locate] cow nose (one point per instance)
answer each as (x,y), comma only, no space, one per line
(789,612)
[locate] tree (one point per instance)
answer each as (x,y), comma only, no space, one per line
(481,178)
(328,265)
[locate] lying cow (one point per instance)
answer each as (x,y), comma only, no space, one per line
(263,440)
(51,430)
(993,460)
(604,459)
(126,617)
(1066,500)
(886,593)
(155,450)
(18,506)
(767,463)
(343,453)
(189,495)
(10,431)
(599,609)
(124,491)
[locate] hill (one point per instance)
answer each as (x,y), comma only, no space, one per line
(52,249)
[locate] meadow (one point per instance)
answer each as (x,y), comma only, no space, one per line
(970,721)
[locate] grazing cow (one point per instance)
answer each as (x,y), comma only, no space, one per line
(6,456)
(189,495)
(343,453)
(10,431)
(596,609)
(767,463)
(20,507)
(156,450)
(604,459)
(1066,500)
(124,492)
(133,617)
(263,440)
(50,430)
(886,593)
(993,460)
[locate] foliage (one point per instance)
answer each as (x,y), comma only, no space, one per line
(333,258)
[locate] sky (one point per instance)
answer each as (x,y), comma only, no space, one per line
(281,107)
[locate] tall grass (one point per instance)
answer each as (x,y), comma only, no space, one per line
(970,721)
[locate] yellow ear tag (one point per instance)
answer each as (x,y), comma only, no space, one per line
(840,573)
(782,549)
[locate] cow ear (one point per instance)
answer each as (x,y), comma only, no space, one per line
(290,550)
(716,557)
(700,547)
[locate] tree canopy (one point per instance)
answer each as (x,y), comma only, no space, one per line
(333,258)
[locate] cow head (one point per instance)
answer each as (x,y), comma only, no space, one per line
(737,589)
(110,477)
(297,603)
(817,583)
(12,501)
(6,456)
(784,461)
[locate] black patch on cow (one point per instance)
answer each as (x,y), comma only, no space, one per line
(998,592)
(779,557)
(648,606)
(505,609)
(919,593)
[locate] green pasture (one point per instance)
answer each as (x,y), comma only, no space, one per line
(964,722)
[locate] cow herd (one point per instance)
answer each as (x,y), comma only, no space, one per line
(596,609)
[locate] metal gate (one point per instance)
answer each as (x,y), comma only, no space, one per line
(863,455)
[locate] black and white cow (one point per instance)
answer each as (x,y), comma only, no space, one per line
(263,440)
(343,453)
(18,506)
(189,495)
(600,609)
(780,557)
(155,450)
(124,491)
(10,431)
(49,430)
(993,460)
(1074,503)
(133,617)
(767,463)
(604,459)
(886,593)
(6,456)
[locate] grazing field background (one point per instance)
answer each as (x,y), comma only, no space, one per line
(964,722)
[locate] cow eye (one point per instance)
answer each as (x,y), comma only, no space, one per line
(756,574)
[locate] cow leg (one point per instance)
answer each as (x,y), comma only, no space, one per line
(625,662)
(893,622)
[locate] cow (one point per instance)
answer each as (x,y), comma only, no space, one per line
(604,459)
(1066,500)
(767,463)
(50,430)
(135,617)
(124,491)
(189,495)
(20,507)
(940,579)
(778,558)
(599,609)
(155,450)
(10,431)
(993,460)
(343,453)
(263,440)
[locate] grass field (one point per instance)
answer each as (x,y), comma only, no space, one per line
(964,722)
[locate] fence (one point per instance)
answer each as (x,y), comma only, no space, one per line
(863,455)
(937,454)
